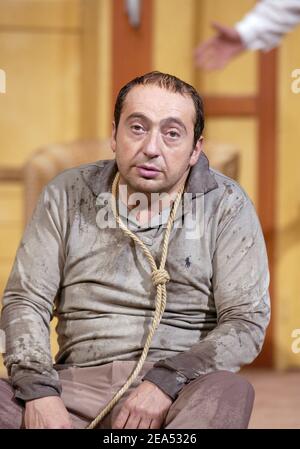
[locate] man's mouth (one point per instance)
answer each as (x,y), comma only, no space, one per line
(148,171)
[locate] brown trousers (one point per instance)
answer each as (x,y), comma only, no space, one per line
(219,400)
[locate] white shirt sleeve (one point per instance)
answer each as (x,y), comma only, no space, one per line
(267,22)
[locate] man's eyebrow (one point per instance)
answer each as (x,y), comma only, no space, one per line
(165,121)
(176,120)
(137,115)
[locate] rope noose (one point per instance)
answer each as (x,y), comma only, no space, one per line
(160,277)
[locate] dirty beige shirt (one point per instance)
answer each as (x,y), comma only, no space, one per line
(100,282)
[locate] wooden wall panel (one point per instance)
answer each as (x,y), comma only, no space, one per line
(11,205)
(174,22)
(41,103)
(239,77)
(40,14)
(96,61)
(287,251)
(224,130)
(132,47)
(11,214)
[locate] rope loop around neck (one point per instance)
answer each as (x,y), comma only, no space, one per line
(159,276)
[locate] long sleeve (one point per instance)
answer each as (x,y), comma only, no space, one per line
(240,287)
(265,25)
(28,302)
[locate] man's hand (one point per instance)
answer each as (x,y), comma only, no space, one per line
(47,413)
(145,408)
(216,52)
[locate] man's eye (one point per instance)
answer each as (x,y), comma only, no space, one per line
(138,129)
(173,134)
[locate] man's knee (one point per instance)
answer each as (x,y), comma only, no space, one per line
(220,399)
(225,389)
(233,398)
(235,384)
(11,410)
(237,398)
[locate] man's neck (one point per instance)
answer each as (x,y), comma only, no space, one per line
(153,204)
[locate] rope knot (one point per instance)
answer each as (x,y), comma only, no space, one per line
(160,276)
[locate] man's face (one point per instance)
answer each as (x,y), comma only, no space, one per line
(154,141)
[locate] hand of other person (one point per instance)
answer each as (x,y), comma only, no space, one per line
(145,408)
(47,413)
(217,51)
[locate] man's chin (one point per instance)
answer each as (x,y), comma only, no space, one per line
(144,185)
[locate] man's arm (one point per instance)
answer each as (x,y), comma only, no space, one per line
(28,302)
(265,25)
(240,287)
(261,29)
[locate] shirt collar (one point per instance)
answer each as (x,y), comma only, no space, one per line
(200,179)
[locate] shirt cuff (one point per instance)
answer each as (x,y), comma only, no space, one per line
(248,34)
(257,36)
(169,381)
(35,387)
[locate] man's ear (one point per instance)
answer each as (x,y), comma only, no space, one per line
(196,152)
(113,142)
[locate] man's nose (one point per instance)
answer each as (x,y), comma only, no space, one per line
(152,144)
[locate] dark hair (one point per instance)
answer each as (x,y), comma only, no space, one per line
(168,82)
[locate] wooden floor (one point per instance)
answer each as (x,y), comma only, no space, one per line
(277,399)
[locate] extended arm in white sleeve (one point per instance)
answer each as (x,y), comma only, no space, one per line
(268,22)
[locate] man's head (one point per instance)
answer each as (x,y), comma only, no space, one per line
(158,122)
